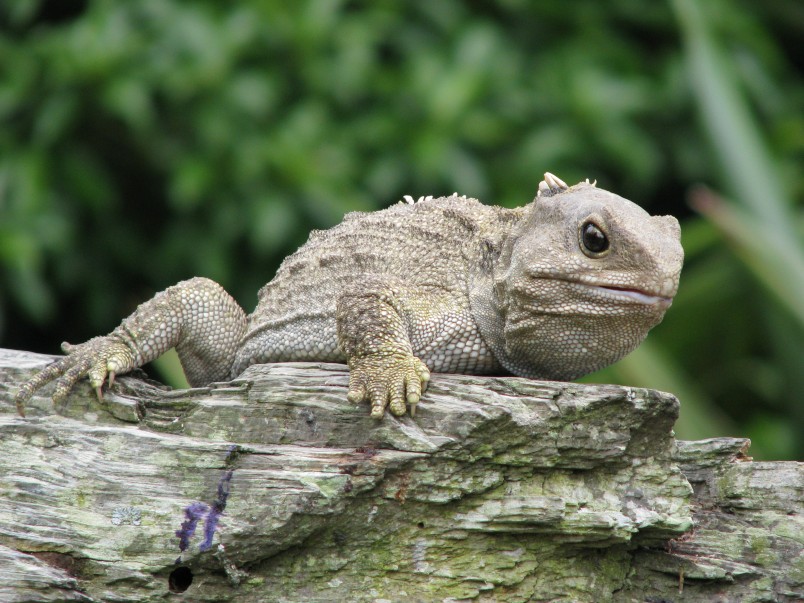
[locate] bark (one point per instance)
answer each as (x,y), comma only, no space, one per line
(278,489)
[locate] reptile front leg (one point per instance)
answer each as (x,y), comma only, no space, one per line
(196,316)
(373,333)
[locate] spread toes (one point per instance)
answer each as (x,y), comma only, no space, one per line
(395,382)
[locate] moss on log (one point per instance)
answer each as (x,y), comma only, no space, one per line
(274,488)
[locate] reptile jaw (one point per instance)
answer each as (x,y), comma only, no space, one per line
(631,294)
(620,292)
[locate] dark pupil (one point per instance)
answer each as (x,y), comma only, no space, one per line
(594,239)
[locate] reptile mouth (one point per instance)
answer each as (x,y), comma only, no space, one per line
(617,292)
(631,294)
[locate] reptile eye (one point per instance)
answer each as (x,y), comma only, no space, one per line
(594,241)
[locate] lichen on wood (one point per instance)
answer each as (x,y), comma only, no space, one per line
(274,488)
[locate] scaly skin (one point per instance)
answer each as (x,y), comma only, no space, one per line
(197,317)
(555,289)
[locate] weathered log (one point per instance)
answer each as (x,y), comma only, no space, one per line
(278,489)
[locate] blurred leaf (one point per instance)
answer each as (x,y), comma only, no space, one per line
(750,173)
(169,368)
(766,252)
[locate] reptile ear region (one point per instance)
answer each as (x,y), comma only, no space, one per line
(670,225)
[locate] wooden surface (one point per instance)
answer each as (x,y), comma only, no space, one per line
(501,489)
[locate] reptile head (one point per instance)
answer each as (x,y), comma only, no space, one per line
(582,280)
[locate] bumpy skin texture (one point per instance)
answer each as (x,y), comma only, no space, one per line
(556,289)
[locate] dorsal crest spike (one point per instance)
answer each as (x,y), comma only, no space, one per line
(551,185)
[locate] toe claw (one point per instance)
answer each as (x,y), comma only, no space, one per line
(99,393)
(356,394)
(396,383)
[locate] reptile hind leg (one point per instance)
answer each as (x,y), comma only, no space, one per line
(196,316)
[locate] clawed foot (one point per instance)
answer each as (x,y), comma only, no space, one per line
(551,185)
(395,381)
(100,359)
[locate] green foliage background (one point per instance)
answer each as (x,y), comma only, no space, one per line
(147,142)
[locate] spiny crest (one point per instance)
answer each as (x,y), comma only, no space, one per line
(552,185)
(411,201)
